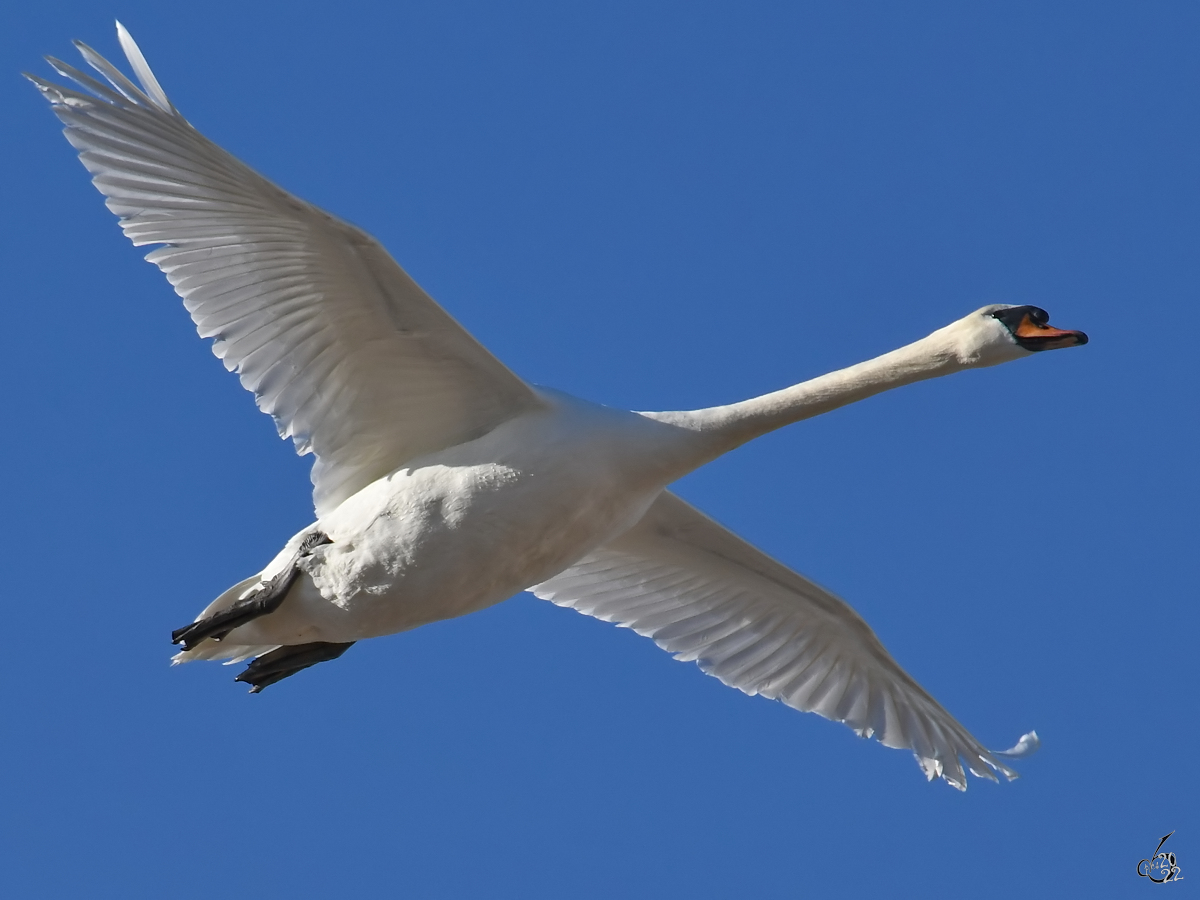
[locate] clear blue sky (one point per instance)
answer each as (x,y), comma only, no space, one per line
(654,206)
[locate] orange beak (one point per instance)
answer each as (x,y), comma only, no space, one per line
(1045,337)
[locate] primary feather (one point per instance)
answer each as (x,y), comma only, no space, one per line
(338,344)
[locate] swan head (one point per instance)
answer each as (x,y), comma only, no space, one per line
(1002,332)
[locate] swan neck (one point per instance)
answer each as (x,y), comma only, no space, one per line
(737,423)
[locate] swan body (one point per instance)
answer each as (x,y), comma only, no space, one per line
(444,484)
(467,527)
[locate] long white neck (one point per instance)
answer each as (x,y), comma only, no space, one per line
(726,427)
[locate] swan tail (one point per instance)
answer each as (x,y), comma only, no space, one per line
(222,650)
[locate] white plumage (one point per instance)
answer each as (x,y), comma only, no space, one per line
(350,357)
(444,484)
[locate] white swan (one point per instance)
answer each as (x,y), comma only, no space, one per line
(445,484)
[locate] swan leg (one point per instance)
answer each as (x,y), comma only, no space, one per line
(288,660)
(264,600)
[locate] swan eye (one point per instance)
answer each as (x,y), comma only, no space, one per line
(1013,316)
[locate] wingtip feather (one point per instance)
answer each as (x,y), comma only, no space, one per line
(113,75)
(142,70)
(1026,746)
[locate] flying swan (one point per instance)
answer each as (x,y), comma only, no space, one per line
(444,484)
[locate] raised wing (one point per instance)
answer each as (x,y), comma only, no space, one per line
(701,592)
(351,358)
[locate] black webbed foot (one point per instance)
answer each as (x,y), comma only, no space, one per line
(284,661)
(264,600)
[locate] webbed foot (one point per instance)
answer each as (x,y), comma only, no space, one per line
(264,600)
(288,660)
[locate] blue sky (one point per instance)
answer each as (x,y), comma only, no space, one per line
(654,206)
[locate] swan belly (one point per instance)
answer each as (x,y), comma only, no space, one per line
(459,531)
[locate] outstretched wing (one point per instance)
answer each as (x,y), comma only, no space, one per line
(701,592)
(351,358)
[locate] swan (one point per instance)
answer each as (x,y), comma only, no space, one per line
(444,484)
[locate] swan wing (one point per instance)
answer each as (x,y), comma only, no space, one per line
(354,361)
(704,594)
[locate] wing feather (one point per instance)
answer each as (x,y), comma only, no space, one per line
(703,594)
(338,344)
